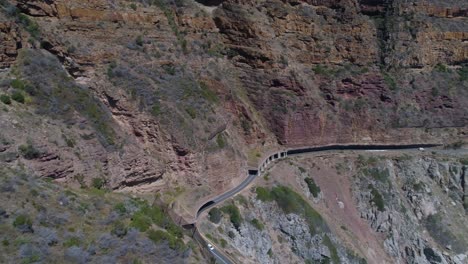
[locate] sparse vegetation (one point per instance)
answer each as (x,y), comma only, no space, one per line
(57,95)
(61,221)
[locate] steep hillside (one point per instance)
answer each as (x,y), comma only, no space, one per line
(41,222)
(349,208)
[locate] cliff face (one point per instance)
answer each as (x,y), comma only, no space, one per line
(156,94)
(327,71)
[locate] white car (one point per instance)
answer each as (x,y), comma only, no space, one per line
(421,149)
(210,247)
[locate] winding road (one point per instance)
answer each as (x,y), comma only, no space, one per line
(252,174)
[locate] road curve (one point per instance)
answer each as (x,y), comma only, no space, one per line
(252,174)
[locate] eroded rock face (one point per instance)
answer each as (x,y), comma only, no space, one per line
(434,193)
(10,42)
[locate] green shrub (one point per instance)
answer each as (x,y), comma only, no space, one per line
(463,73)
(5,242)
(323,70)
(133,6)
(220,141)
(29,152)
(441,67)
(148,215)
(22,220)
(263,194)
(464,161)
(257,224)
(234,214)
(208,94)
(223,243)
(139,41)
(214,215)
(98,183)
(389,81)
(140,221)
(313,188)
(169,69)
(18,84)
(5,99)
(120,208)
(72,241)
(158,236)
(191,111)
(377,198)
(18,96)
(156,109)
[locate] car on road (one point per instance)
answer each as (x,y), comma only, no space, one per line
(210,247)
(421,149)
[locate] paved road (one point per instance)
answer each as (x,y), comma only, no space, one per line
(227,194)
(220,257)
